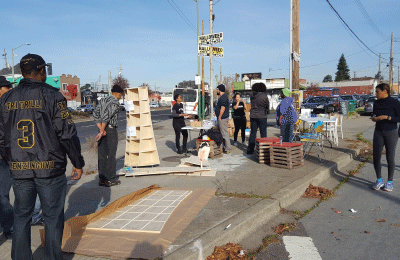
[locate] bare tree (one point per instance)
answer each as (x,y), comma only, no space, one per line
(123,82)
(228,82)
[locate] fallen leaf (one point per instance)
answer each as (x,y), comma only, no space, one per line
(338,212)
(332,233)
(367,232)
(380,220)
(395,225)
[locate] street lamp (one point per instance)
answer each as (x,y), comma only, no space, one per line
(12,55)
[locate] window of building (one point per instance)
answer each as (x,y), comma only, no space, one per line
(64,86)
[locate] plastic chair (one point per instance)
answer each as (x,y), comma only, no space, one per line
(331,128)
(314,138)
(339,124)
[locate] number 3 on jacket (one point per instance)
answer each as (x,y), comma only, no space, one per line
(28,138)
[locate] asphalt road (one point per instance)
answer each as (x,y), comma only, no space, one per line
(89,129)
(370,232)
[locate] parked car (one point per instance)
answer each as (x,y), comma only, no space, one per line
(350,98)
(70,109)
(369,105)
(364,99)
(322,104)
(154,105)
(85,108)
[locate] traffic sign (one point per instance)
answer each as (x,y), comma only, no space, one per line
(205,51)
(210,38)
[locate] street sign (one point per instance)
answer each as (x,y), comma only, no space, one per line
(205,51)
(210,38)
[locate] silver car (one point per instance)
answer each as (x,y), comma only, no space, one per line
(369,105)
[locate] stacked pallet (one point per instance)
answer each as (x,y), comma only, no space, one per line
(215,150)
(286,155)
(263,148)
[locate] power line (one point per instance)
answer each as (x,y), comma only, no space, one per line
(368,18)
(358,38)
(183,16)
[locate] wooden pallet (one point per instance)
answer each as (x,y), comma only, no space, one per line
(215,150)
(263,149)
(287,155)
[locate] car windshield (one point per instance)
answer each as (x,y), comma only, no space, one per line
(371,99)
(83,106)
(317,100)
(347,97)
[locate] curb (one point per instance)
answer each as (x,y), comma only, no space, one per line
(247,221)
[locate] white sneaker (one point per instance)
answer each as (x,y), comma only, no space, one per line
(235,144)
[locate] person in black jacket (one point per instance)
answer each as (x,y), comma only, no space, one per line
(386,114)
(258,114)
(239,117)
(36,134)
(178,122)
(6,210)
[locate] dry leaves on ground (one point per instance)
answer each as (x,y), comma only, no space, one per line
(228,251)
(380,220)
(286,227)
(317,192)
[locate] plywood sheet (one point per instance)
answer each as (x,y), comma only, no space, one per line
(136,244)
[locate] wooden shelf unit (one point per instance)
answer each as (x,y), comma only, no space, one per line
(141,150)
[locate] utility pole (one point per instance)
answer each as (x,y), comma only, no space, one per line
(354,74)
(199,107)
(294,45)
(220,73)
(379,72)
(211,61)
(391,65)
(5,59)
(120,68)
(203,108)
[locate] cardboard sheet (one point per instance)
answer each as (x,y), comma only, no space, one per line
(78,240)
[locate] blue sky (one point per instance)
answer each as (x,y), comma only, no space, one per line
(155,45)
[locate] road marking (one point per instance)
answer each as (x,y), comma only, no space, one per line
(300,248)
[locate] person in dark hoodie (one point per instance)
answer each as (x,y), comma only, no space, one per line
(286,116)
(258,114)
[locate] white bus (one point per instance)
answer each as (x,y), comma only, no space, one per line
(190,100)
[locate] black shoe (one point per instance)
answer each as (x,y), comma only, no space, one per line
(179,151)
(112,183)
(102,182)
(250,149)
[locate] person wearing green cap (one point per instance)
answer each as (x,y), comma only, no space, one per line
(286,116)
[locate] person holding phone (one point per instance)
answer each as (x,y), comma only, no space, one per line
(239,117)
(178,122)
(386,114)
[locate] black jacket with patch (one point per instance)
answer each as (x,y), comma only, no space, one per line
(37,132)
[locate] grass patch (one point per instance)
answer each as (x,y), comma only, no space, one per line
(241,195)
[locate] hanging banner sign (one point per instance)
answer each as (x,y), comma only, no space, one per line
(205,51)
(210,38)
(129,105)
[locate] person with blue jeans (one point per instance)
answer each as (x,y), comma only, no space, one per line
(286,116)
(36,135)
(386,114)
(258,114)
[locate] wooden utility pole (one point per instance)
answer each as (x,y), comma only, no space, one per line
(211,60)
(203,108)
(391,65)
(295,48)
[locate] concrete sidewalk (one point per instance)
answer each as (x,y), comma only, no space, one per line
(267,189)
